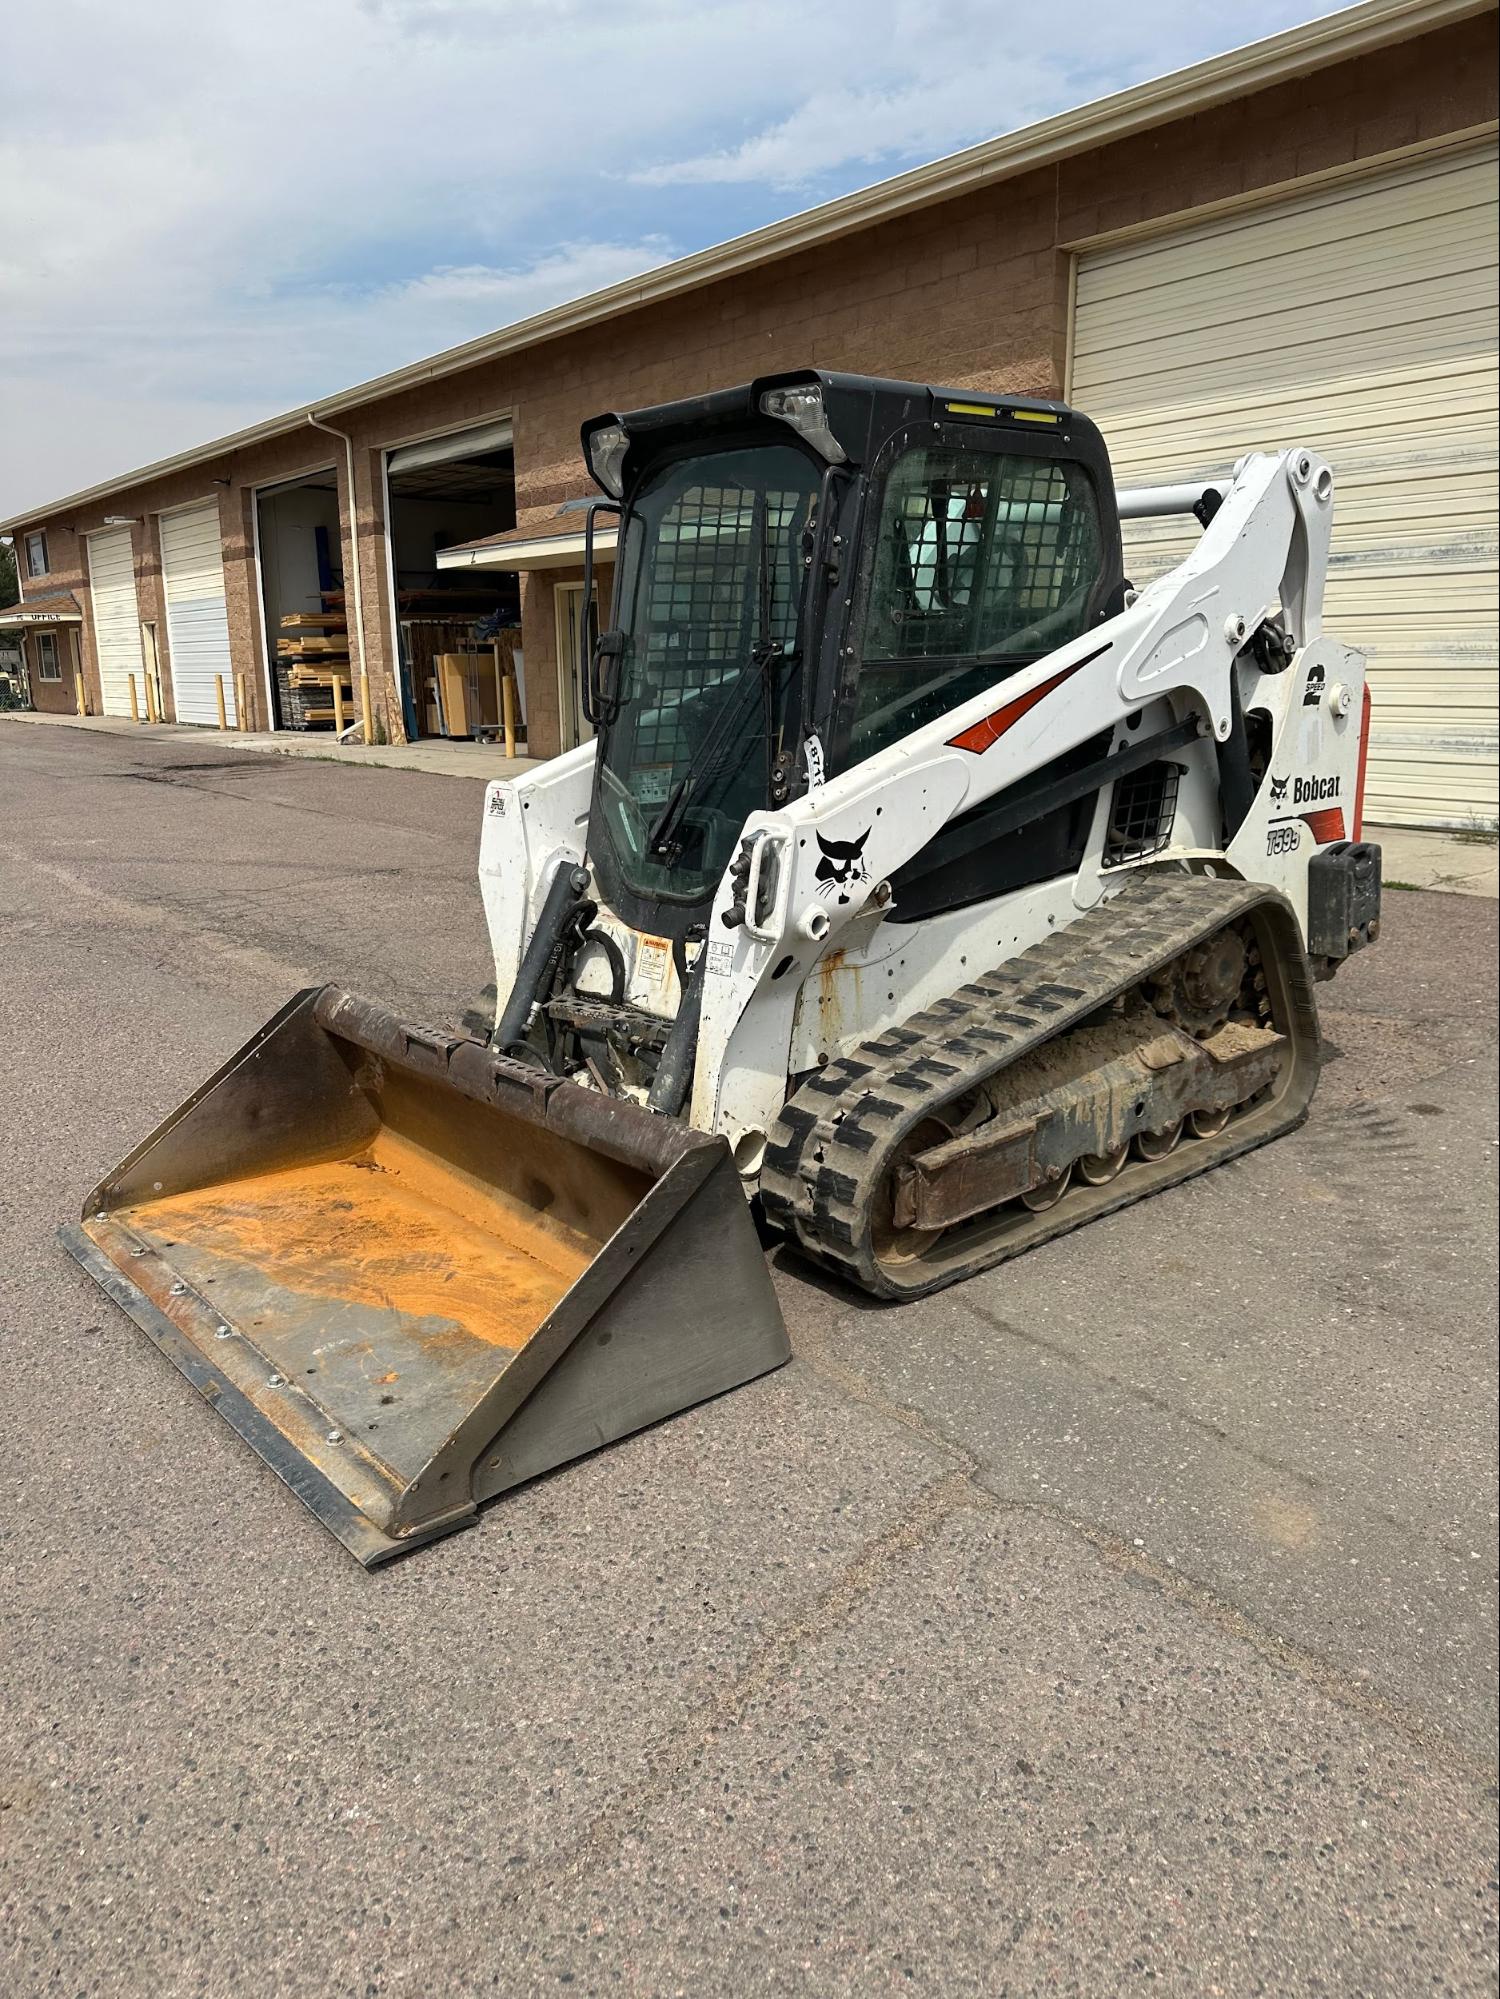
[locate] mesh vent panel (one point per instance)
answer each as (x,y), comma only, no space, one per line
(1141,813)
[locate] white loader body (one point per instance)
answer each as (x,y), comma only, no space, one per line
(820,966)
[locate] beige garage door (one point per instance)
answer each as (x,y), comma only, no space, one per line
(1359,319)
(117,623)
(192,567)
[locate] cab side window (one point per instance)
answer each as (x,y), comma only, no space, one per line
(983,561)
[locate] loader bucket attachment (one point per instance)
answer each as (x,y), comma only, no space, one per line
(413,1274)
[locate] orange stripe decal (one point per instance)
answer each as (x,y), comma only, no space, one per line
(1364,758)
(1326,825)
(979,736)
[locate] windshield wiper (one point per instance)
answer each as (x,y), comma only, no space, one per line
(706,761)
(766,655)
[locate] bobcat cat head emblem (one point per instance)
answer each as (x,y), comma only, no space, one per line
(1278,789)
(842,865)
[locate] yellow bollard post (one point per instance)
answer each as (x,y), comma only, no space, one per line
(508,712)
(241,705)
(366,715)
(338,704)
(219,692)
(151,709)
(135,706)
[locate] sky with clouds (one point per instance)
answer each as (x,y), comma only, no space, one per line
(215,211)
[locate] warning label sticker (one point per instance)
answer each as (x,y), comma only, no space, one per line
(653,958)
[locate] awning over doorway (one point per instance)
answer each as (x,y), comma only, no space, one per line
(57,607)
(547,541)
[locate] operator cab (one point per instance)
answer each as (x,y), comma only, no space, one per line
(809,567)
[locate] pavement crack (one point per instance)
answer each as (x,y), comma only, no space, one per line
(772,1662)
(818,1353)
(1301,1662)
(1106,1378)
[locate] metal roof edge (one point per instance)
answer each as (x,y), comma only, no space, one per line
(1350,32)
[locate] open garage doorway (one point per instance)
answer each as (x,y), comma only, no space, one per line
(300,546)
(458,633)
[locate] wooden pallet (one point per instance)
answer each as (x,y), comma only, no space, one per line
(312,657)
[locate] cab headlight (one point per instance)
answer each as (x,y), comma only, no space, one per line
(801,405)
(607,448)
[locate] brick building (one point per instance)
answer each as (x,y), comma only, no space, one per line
(1292,242)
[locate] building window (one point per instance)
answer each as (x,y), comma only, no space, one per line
(47,667)
(36,554)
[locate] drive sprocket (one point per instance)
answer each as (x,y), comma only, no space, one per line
(1200,990)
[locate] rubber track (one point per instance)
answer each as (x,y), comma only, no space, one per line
(837,1137)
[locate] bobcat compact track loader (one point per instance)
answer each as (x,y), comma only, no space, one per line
(924,886)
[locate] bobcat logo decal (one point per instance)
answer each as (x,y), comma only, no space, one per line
(842,865)
(1278,790)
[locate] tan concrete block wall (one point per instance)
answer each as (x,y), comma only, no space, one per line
(52,697)
(539,643)
(1421,90)
(970,293)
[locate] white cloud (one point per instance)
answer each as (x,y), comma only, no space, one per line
(930,76)
(214,212)
(839,128)
(290,349)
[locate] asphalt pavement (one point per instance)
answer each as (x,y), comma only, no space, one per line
(1120,1622)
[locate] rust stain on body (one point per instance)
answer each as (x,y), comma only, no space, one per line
(388,1228)
(833,972)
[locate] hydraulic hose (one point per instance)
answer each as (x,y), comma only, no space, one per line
(564,893)
(674,1072)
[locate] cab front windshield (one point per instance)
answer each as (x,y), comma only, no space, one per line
(709,591)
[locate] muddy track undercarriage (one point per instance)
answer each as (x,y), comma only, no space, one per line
(1163,1032)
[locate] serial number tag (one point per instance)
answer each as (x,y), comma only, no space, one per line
(1284,839)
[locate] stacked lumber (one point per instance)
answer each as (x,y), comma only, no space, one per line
(312,669)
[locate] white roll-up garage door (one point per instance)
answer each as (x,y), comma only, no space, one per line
(117,621)
(192,567)
(1360,319)
(471,443)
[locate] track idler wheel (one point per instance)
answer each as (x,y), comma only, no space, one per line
(892,1243)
